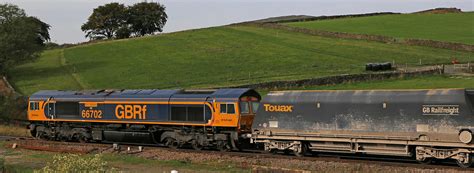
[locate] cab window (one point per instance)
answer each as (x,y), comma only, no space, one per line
(34,105)
(227,108)
(244,107)
(230,109)
(255,106)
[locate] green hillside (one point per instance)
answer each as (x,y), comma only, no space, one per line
(46,73)
(407,83)
(213,57)
(451,27)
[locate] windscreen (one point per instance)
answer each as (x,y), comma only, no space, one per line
(244,107)
(255,106)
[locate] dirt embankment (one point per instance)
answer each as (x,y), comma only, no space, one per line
(12,104)
(303,18)
(5,88)
(440,11)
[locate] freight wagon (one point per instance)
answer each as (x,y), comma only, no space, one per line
(423,124)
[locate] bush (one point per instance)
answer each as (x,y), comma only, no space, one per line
(13,108)
(76,163)
(2,164)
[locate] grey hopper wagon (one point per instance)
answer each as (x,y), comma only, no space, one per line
(425,124)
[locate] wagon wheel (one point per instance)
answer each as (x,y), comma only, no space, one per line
(273,151)
(171,143)
(304,149)
(270,151)
(466,165)
(299,154)
(426,161)
(196,145)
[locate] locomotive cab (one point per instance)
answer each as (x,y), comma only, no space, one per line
(248,106)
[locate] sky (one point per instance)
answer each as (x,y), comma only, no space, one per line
(67,16)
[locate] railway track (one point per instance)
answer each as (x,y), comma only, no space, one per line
(84,148)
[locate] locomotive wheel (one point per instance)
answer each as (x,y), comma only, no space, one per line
(42,136)
(196,145)
(171,143)
(63,139)
(80,138)
(223,146)
(33,133)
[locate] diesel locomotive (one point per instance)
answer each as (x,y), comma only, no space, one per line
(426,125)
(423,124)
(199,118)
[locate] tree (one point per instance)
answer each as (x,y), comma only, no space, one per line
(123,32)
(147,18)
(9,12)
(114,20)
(23,37)
(105,21)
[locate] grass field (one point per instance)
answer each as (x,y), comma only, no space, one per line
(46,73)
(212,57)
(451,27)
(20,160)
(11,130)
